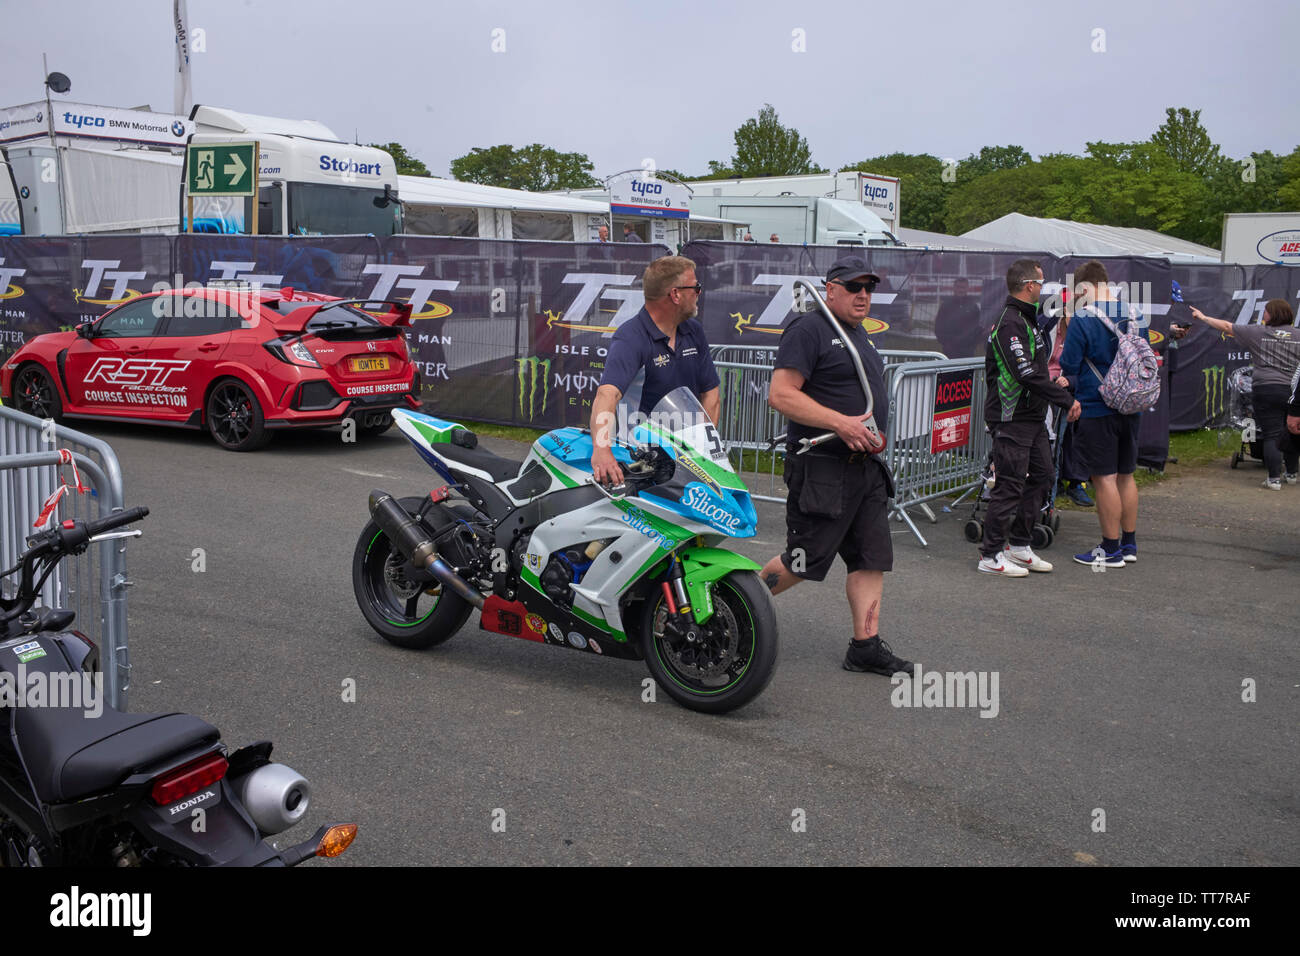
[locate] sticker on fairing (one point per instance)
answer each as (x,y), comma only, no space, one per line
(578,641)
(536,623)
(30,651)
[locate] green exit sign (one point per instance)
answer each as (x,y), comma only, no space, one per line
(221,169)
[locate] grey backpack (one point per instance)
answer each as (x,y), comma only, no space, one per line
(1132,383)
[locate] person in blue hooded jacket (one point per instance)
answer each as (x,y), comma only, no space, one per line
(1105,441)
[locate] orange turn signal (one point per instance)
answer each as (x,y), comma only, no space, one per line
(336,839)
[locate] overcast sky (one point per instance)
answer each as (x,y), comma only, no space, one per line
(672,80)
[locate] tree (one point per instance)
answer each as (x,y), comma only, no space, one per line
(766,148)
(921,186)
(1186,141)
(407,165)
(991,158)
(534,167)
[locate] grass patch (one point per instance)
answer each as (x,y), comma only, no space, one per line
(510,432)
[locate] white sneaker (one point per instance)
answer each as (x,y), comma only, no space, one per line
(999,565)
(1290,478)
(1273,484)
(1025,557)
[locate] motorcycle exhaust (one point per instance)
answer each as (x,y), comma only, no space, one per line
(412,540)
(275,796)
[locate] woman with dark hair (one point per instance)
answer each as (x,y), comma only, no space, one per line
(1275,351)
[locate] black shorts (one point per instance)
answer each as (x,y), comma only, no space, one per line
(836,505)
(1107,445)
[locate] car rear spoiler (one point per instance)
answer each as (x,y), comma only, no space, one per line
(396,314)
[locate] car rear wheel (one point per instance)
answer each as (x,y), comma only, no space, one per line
(36,394)
(234,416)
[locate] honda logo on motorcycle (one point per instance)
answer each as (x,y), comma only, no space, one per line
(147,372)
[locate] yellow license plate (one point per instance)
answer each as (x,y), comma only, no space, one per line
(378,363)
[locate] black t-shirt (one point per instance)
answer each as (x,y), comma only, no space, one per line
(809,347)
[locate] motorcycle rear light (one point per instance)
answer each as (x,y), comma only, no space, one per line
(190,778)
(337,839)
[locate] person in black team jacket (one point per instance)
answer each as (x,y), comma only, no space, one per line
(839,492)
(1019,390)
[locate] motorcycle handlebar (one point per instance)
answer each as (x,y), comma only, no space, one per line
(100,525)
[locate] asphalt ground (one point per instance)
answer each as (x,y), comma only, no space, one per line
(1121,736)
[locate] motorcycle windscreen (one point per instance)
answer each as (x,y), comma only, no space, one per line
(629,409)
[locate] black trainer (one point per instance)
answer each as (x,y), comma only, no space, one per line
(875,656)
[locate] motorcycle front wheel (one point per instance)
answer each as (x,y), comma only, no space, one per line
(733,658)
(412,614)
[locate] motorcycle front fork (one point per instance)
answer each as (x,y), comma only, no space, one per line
(680,625)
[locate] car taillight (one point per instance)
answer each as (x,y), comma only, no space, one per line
(291,351)
(190,778)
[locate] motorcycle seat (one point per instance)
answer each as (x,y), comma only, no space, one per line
(71,755)
(480,458)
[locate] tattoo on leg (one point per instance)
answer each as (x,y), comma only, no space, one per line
(771,581)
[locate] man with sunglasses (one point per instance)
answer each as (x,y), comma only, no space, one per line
(1020,388)
(838,501)
(665,341)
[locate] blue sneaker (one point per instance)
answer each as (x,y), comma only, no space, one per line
(1099,558)
(1129,552)
(1080,497)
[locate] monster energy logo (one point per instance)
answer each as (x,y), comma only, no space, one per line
(1213,391)
(530,366)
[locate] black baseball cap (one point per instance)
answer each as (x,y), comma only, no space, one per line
(851,267)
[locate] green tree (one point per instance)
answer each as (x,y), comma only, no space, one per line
(766,148)
(1288,195)
(991,158)
(923,191)
(407,165)
(534,167)
(1186,141)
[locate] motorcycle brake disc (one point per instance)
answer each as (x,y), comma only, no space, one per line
(396,579)
(714,653)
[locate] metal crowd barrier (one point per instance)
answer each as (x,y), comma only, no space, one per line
(748,423)
(921,476)
(92,584)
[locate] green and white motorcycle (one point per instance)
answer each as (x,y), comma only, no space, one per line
(637,571)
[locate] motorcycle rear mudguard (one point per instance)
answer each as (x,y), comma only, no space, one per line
(221,835)
(701,567)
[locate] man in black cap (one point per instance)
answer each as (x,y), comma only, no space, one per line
(839,491)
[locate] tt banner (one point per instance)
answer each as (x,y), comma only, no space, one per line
(333,265)
(513,331)
(56,284)
(927,300)
(1203,363)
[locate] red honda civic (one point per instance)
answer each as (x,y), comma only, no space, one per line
(235,361)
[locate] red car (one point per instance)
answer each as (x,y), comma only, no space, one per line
(237,362)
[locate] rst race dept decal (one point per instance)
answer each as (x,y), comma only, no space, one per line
(137,381)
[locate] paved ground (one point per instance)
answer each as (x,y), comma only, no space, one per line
(1119,693)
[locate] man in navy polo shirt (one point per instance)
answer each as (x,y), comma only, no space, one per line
(663,340)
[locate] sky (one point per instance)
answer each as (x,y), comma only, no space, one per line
(670,81)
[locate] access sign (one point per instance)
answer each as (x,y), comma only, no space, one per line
(221,169)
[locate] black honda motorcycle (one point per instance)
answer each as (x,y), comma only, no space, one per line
(83,784)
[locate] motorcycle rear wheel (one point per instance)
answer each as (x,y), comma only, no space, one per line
(736,657)
(414,615)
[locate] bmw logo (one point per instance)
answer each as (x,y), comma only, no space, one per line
(40,117)
(667,203)
(24,192)
(178,128)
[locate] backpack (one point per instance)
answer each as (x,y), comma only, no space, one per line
(1132,383)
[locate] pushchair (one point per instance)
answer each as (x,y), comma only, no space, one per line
(1049,518)
(1241,415)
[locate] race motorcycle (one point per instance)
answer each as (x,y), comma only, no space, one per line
(83,784)
(544,553)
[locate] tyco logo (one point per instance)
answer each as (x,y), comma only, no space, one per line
(7,289)
(406,277)
(150,373)
(528,376)
(1213,391)
(98,272)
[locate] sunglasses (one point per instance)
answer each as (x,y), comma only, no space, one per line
(697,287)
(853,288)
